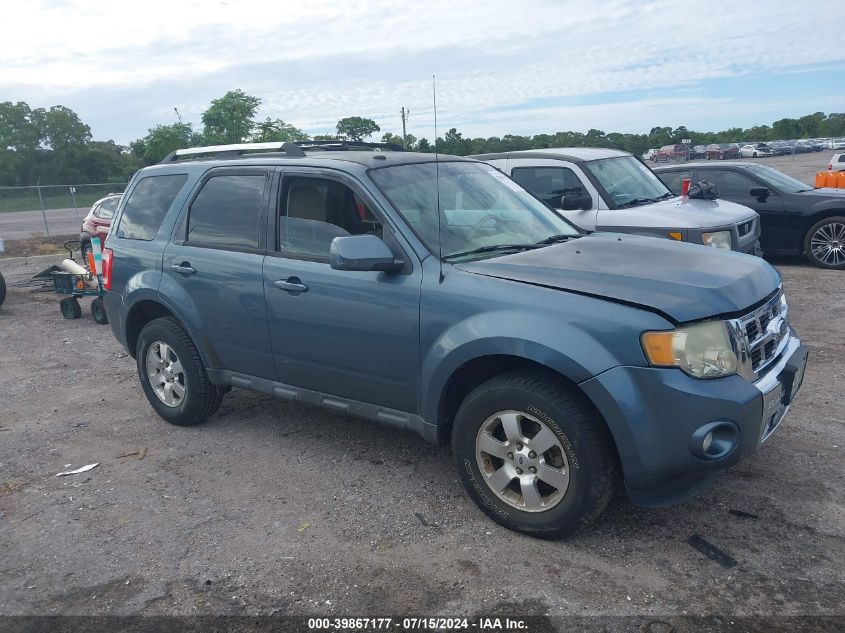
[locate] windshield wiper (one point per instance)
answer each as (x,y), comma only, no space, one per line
(491,248)
(636,202)
(555,239)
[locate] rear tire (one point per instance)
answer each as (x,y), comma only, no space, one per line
(98,311)
(540,410)
(177,386)
(824,244)
(2,289)
(70,308)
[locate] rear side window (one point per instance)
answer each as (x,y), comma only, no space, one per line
(107,208)
(227,211)
(730,183)
(672,179)
(148,204)
(548,183)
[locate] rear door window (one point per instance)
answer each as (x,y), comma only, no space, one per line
(227,211)
(672,179)
(148,204)
(548,183)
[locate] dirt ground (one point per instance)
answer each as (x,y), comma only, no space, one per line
(274,507)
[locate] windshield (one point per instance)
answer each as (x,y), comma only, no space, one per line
(779,180)
(627,181)
(481,209)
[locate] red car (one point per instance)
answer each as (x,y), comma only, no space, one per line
(670,153)
(98,221)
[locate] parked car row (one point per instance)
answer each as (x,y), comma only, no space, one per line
(748,149)
(436,294)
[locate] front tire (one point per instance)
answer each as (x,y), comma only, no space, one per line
(533,455)
(172,374)
(824,244)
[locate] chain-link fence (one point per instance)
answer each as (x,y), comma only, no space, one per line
(48,209)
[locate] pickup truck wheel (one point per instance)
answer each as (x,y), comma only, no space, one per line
(172,374)
(824,244)
(532,455)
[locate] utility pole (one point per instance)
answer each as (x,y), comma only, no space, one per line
(405,116)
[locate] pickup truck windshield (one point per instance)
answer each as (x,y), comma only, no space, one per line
(483,213)
(627,181)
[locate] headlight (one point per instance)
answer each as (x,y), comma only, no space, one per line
(719,239)
(702,350)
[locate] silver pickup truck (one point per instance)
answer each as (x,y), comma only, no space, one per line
(610,190)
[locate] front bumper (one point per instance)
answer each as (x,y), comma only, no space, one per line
(654,415)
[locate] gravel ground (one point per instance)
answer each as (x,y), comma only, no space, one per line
(274,507)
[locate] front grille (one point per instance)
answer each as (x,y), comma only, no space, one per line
(766,330)
(745,227)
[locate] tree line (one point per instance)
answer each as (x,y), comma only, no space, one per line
(54,146)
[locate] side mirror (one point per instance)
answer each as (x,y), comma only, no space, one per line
(581,201)
(362,252)
(761,193)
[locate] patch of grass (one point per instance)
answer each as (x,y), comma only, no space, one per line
(37,245)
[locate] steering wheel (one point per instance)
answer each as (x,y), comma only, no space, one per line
(499,223)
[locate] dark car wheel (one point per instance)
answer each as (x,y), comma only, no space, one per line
(85,248)
(2,289)
(533,455)
(70,308)
(98,311)
(824,244)
(172,374)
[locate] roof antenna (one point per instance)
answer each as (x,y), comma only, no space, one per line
(437,180)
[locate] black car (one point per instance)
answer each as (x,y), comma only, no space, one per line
(795,218)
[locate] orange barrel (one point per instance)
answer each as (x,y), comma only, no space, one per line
(821,177)
(839,181)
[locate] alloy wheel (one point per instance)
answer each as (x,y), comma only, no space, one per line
(522,461)
(828,244)
(165,373)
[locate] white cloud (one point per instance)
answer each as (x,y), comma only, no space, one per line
(313,61)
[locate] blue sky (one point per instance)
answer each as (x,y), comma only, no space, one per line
(502,67)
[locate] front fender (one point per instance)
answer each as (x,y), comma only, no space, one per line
(511,333)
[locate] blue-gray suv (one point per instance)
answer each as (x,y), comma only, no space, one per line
(435,294)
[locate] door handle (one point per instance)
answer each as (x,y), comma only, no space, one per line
(292,285)
(183,269)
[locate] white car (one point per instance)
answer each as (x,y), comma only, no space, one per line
(837,162)
(649,154)
(836,143)
(753,151)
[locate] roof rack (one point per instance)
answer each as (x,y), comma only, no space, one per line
(344,145)
(290,148)
(236,149)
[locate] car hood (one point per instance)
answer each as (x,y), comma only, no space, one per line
(824,192)
(682,213)
(683,282)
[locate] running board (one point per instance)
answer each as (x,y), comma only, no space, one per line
(352,408)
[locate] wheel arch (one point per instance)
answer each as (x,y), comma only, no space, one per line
(146,310)
(478,370)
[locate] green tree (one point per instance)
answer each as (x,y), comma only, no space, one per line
(410,141)
(357,128)
(786,129)
(277,130)
(163,139)
(230,119)
(424,145)
(62,128)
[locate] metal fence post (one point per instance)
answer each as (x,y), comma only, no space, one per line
(73,195)
(43,212)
